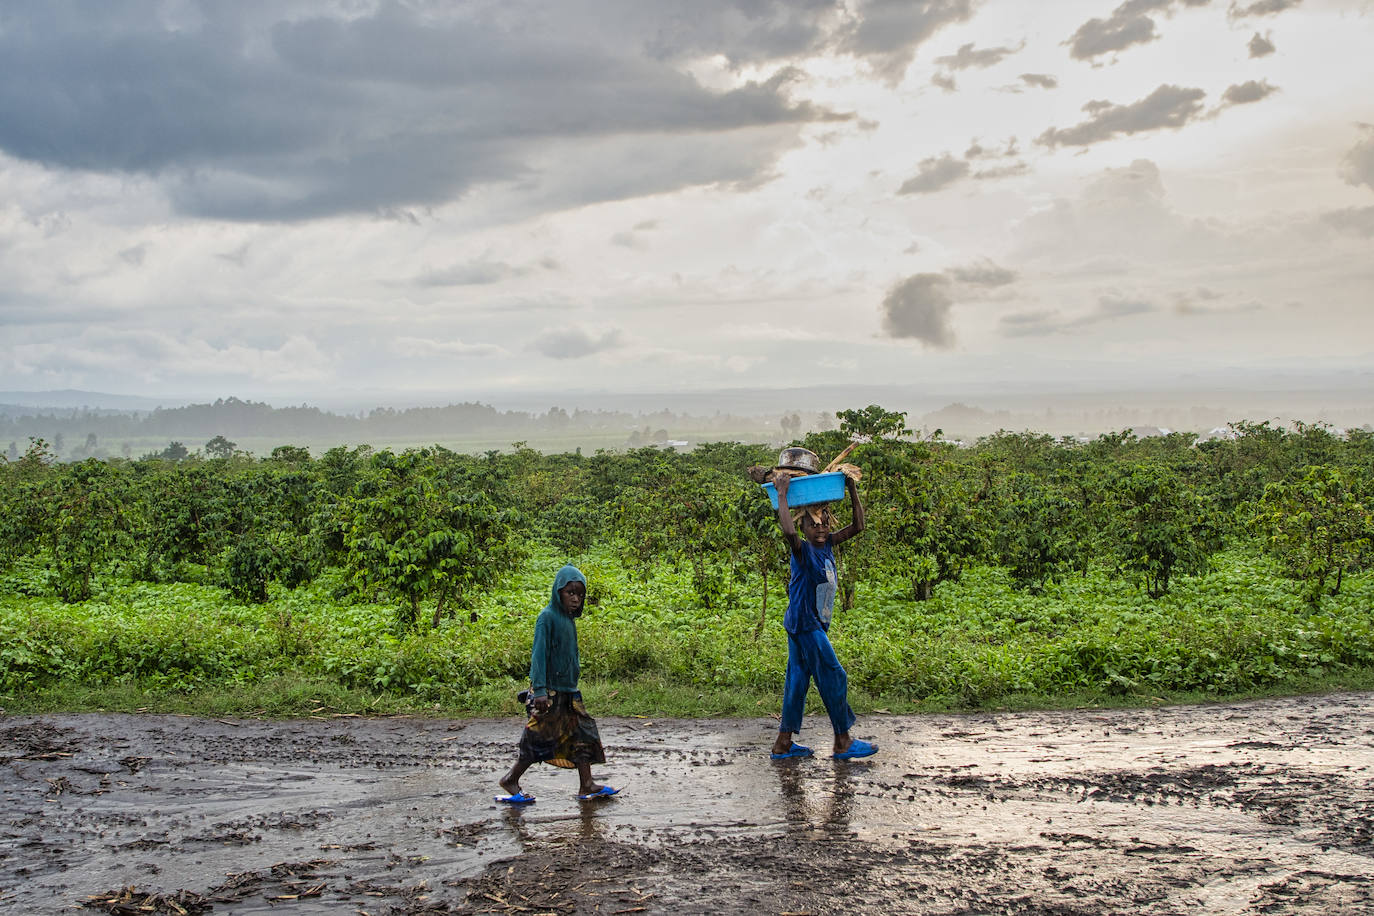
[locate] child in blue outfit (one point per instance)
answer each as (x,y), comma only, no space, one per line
(559,730)
(810,602)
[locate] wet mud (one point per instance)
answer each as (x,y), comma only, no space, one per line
(1253,808)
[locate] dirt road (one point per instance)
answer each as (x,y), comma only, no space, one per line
(1252,808)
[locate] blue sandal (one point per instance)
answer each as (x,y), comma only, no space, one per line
(519,798)
(796,750)
(857,748)
(603,792)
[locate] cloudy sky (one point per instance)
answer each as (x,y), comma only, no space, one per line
(297,199)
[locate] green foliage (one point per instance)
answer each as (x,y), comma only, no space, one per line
(1019,566)
(923,515)
(220,447)
(83,522)
(1160,527)
(248,568)
(22,513)
(873,422)
(185,517)
(422,533)
(755,540)
(1317,528)
(291,455)
(175,451)
(1033,525)
(978,641)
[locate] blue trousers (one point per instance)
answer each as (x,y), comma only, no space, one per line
(811,657)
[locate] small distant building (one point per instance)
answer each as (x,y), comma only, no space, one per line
(1218,432)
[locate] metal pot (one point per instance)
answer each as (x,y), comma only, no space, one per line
(799,459)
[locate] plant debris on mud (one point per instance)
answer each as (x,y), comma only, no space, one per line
(1252,808)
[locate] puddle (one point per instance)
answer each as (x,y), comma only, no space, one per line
(1263,807)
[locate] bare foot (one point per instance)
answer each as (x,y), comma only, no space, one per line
(590,790)
(783,744)
(842,742)
(511,786)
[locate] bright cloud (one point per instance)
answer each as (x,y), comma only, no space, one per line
(301,198)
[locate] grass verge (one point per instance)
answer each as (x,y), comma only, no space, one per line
(292,697)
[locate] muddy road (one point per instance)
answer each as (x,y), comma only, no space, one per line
(1251,808)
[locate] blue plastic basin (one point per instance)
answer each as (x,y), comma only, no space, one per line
(809,490)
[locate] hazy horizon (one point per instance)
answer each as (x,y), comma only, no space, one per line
(621,421)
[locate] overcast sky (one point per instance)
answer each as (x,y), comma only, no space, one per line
(295,200)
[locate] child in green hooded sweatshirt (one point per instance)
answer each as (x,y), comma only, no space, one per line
(559,730)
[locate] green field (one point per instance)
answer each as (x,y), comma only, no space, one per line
(1023,571)
(649,649)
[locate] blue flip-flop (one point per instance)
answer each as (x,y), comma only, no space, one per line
(603,792)
(796,750)
(857,748)
(519,798)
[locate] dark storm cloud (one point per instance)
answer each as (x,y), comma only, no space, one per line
(575,343)
(935,174)
(1245,93)
(1352,221)
(1262,8)
(1040,80)
(918,308)
(885,33)
(269,112)
(1358,167)
(1166,107)
(742,31)
(1260,46)
(890,31)
(968,57)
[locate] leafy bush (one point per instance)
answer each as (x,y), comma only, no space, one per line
(1007,568)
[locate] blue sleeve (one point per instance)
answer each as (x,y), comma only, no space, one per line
(539,659)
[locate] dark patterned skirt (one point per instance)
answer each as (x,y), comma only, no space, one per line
(563,735)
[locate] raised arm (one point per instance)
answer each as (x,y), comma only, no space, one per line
(789,528)
(857,523)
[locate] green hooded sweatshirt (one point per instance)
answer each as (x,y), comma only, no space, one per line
(554,664)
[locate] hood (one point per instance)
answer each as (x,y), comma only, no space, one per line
(565,575)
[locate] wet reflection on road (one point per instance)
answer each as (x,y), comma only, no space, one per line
(817,798)
(1242,808)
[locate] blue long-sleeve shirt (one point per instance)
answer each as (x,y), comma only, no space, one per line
(554,662)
